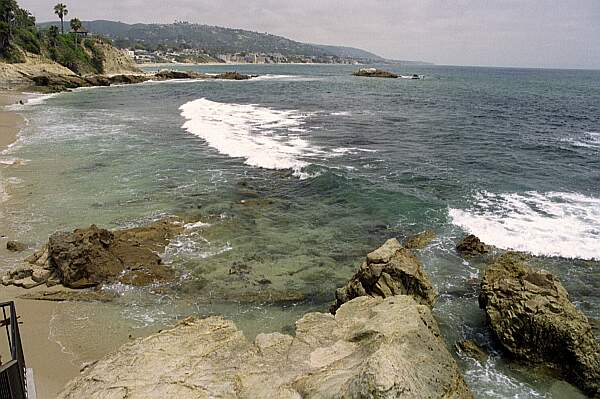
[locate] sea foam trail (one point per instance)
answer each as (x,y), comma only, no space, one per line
(264,137)
(544,224)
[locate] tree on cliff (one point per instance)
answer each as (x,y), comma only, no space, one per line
(17,30)
(75,27)
(61,10)
(7,19)
(53,35)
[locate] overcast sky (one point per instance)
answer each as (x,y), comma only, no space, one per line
(531,33)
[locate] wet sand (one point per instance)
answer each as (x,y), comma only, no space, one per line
(10,122)
(52,367)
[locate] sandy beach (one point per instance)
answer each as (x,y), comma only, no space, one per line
(10,122)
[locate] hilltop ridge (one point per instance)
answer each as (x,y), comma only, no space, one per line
(216,40)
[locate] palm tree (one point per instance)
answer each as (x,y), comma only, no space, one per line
(75,27)
(61,10)
(52,35)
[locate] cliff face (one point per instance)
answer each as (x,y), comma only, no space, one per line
(113,61)
(14,75)
(96,57)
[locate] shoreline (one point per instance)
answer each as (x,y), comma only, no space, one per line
(11,122)
(180,64)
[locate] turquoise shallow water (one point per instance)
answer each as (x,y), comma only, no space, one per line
(301,172)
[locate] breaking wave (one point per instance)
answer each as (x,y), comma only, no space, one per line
(264,137)
(545,224)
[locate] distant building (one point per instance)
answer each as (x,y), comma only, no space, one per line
(129,53)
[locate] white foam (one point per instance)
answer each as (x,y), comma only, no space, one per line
(264,137)
(588,140)
(32,100)
(341,113)
(544,224)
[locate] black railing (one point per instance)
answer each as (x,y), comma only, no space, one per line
(13,384)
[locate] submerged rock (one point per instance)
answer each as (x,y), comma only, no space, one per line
(372,348)
(471,349)
(471,246)
(420,240)
(533,319)
(374,73)
(389,270)
(15,246)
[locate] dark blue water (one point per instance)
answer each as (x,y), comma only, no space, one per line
(298,174)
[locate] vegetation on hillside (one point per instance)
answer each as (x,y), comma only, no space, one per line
(19,36)
(214,40)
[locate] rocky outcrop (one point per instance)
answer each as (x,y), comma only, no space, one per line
(471,246)
(92,256)
(532,317)
(113,60)
(372,348)
(49,82)
(374,73)
(389,270)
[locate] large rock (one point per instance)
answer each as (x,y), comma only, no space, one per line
(389,270)
(88,257)
(471,246)
(372,348)
(374,73)
(531,315)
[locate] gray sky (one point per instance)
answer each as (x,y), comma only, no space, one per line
(531,33)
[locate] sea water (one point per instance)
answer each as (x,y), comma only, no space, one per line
(292,177)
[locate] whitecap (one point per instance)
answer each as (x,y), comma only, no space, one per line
(264,137)
(545,224)
(587,140)
(32,100)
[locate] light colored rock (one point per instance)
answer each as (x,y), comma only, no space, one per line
(530,313)
(40,275)
(27,283)
(389,270)
(6,280)
(384,253)
(372,348)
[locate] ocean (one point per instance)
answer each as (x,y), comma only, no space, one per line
(295,175)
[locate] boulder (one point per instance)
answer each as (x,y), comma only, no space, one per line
(372,348)
(471,246)
(389,270)
(92,256)
(40,275)
(530,314)
(15,246)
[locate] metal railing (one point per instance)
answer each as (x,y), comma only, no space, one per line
(13,384)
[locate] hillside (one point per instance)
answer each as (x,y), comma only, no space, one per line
(214,40)
(27,51)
